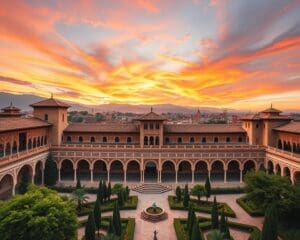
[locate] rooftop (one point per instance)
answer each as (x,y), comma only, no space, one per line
(51,102)
(18,123)
(203,128)
(102,127)
(292,127)
(151,116)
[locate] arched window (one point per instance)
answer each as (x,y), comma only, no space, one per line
(203,140)
(145,140)
(92,139)
(34,143)
(145,125)
(1,150)
(29,144)
(240,139)
(8,149)
(156,140)
(151,126)
(46,117)
(117,139)
(42,140)
(129,140)
(192,140)
(80,139)
(151,140)
(157,125)
(45,140)
(104,139)
(228,139)
(15,148)
(179,140)
(167,140)
(38,142)
(69,139)
(216,140)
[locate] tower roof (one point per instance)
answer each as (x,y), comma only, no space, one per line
(10,111)
(151,116)
(51,102)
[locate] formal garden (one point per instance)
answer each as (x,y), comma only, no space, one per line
(267,208)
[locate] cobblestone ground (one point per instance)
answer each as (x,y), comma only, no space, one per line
(144,230)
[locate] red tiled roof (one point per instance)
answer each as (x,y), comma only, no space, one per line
(271,110)
(292,127)
(151,116)
(203,128)
(18,123)
(102,127)
(51,102)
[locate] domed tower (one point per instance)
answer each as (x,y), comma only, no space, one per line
(54,112)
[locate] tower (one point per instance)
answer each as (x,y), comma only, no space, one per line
(54,112)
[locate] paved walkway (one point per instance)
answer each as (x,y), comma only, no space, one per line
(144,230)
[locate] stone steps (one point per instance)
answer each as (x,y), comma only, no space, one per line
(151,188)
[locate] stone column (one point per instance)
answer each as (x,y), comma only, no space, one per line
(241,176)
(176,176)
(108,174)
(125,175)
(141,176)
(33,175)
(75,175)
(193,176)
(225,175)
(92,175)
(43,175)
(59,178)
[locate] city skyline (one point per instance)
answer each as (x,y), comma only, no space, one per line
(230,54)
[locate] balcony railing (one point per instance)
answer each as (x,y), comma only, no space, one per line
(18,156)
(285,154)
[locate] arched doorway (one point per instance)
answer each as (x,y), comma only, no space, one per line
(233,171)
(286,172)
(168,173)
(6,187)
(270,167)
(116,171)
(248,166)
(150,173)
(133,172)
(201,171)
(38,177)
(184,172)
(67,170)
(83,170)
(217,171)
(100,171)
(278,169)
(24,175)
(297,179)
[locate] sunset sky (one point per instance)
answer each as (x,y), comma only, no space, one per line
(238,54)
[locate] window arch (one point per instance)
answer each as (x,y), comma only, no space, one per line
(1,150)
(80,139)
(240,139)
(92,139)
(129,140)
(46,117)
(45,140)
(151,140)
(117,139)
(69,139)
(216,140)
(29,144)
(228,139)
(104,139)
(38,142)
(34,142)
(145,140)
(42,140)
(167,140)
(192,140)
(203,140)
(179,140)
(8,149)
(15,148)
(156,140)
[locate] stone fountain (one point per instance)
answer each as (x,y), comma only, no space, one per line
(154,214)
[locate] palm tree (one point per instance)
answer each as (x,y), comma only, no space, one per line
(215,235)
(79,197)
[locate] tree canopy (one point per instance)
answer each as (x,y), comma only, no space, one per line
(38,214)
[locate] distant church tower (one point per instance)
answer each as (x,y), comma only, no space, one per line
(197,117)
(54,112)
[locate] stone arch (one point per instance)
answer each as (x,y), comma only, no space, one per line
(116,171)
(38,176)
(184,173)
(201,170)
(25,173)
(217,171)
(168,172)
(133,171)
(67,170)
(83,171)
(99,170)
(270,167)
(150,171)
(297,178)
(14,148)
(278,169)
(248,166)
(8,149)
(6,186)
(286,172)
(233,170)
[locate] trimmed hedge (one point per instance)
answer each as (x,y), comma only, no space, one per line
(107,206)
(228,190)
(204,206)
(70,189)
(205,224)
(249,208)
(128,227)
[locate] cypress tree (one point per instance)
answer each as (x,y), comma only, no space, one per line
(178,194)
(270,227)
(222,225)
(100,191)
(186,197)
(117,219)
(78,183)
(109,191)
(196,234)
(97,215)
(24,183)
(214,215)
(121,197)
(227,232)
(189,216)
(127,193)
(191,224)
(104,191)
(111,228)
(207,188)
(90,227)
(125,198)
(50,172)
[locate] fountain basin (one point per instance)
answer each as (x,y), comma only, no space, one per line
(152,214)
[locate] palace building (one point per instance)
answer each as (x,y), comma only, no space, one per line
(147,150)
